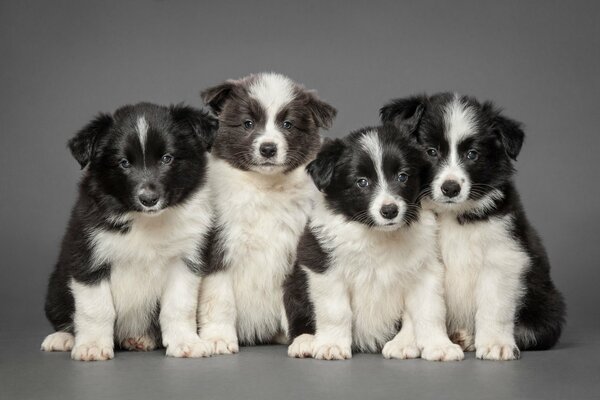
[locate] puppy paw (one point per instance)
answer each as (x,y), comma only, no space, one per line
(302,346)
(332,351)
(498,351)
(139,343)
(190,348)
(442,352)
(58,341)
(400,350)
(465,340)
(92,351)
(222,345)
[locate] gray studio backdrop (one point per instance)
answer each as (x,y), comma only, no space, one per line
(62,62)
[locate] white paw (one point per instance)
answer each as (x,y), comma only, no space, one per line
(498,351)
(302,346)
(221,345)
(58,341)
(139,343)
(92,351)
(442,352)
(400,350)
(465,340)
(332,351)
(190,348)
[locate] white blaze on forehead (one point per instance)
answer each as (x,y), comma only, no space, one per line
(372,146)
(459,124)
(273,91)
(142,130)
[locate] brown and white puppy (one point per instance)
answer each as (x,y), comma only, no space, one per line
(268,133)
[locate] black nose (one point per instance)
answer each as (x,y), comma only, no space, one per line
(451,188)
(389,211)
(148,198)
(268,149)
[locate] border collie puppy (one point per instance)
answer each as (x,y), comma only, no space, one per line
(129,266)
(268,132)
(367,262)
(499,293)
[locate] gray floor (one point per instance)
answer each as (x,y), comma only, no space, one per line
(571,371)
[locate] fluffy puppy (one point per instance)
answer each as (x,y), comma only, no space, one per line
(269,131)
(367,262)
(499,294)
(129,266)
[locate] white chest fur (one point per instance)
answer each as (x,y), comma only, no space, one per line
(378,268)
(141,258)
(261,219)
(469,252)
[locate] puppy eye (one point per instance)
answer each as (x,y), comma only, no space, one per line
(248,124)
(472,155)
(124,163)
(287,125)
(166,159)
(362,183)
(431,152)
(402,177)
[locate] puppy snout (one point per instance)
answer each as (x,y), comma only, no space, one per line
(148,198)
(389,211)
(450,188)
(268,149)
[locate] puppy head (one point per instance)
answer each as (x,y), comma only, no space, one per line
(267,123)
(373,176)
(469,145)
(145,157)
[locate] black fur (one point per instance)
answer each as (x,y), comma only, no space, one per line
(108,191)
(498,141)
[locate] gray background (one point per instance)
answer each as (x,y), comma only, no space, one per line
(62,62)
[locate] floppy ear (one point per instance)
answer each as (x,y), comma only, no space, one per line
(509,132)
(83,144)
(214,97)
(405,114)
(322,112)
(200,122)
(321,169)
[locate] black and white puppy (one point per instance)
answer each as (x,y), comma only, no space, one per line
(499,293)
(367,262)
(129,266)
(268,132)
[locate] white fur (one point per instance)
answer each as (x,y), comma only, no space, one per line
(375,279)
(142,130)
(484,269)
(147,268)
(58,341)
(459,124)
(262,218)
(273,92)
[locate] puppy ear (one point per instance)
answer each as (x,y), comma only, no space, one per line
(405,114)
(322,112)
(321,169)
(200,122)
(83,144)
(215,97)
(509,132)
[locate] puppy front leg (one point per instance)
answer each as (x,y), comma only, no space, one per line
(218,313)
(404,345)
(425,306)
(498,292)
(333,317)
(93,321)
(178,310)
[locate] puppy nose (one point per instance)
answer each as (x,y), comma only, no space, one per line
(148,198)
(451,188)
(389,211)
(268,149)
